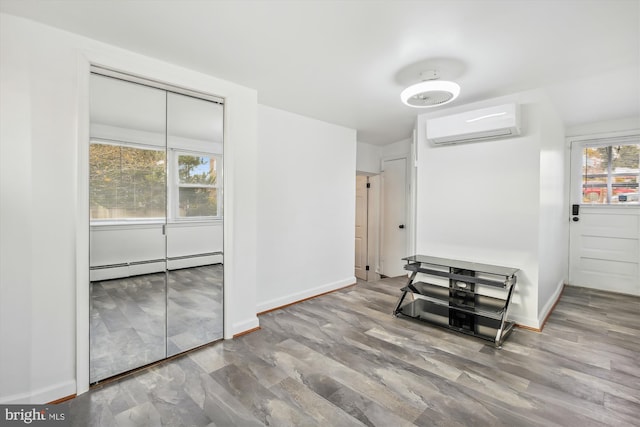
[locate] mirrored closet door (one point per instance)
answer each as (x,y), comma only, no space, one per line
(194,233)
(155,167)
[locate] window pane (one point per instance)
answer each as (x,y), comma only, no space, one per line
(604,183)
(625,166)
(594,177)
(197,169)
(126,182)
(195,201)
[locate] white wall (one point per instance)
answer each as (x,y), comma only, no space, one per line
(44,211)
(396,149)
(554,211)
(481,201)
(368,158)
(306,207)
(624,124)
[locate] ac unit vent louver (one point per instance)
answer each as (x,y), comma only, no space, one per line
(478,125)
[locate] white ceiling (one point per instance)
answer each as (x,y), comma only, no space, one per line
(345,62)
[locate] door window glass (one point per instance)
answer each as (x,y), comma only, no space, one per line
(610,174)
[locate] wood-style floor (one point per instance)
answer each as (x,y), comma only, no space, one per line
(342,359)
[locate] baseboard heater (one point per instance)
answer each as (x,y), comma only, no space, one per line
(136,268)
(176,258)
(151,261)
(126,264)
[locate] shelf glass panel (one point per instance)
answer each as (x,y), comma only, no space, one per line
(466,265)
(484,306)
(427,311)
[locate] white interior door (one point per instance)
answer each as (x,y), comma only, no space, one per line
(605,231)
(394,217)
(361,228)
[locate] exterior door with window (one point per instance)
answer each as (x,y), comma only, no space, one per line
(605,216)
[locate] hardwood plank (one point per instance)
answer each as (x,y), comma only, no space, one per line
(342,359)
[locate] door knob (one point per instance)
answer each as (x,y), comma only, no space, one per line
(401,226)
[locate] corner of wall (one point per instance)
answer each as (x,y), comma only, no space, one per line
(527,322)
(550,303)
(553,251)
(238,328)
(305,245)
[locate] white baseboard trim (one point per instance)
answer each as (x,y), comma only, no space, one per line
(524,321)
(538,323)
(41,396)
(302,295)
(546,310)
(243,326)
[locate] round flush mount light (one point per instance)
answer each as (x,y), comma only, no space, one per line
(431,92)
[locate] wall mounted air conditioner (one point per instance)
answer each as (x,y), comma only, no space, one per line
(487,123)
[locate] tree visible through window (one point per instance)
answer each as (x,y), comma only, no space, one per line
(610,174)
(130,183)
(197,180)
(126,182)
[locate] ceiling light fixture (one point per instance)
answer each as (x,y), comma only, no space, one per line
(431,92)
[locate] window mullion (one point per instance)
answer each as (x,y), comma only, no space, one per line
(609,172)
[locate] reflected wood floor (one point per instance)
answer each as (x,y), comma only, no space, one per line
(141,319)
(342,360)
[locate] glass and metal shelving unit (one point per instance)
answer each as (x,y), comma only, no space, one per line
(467,297)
